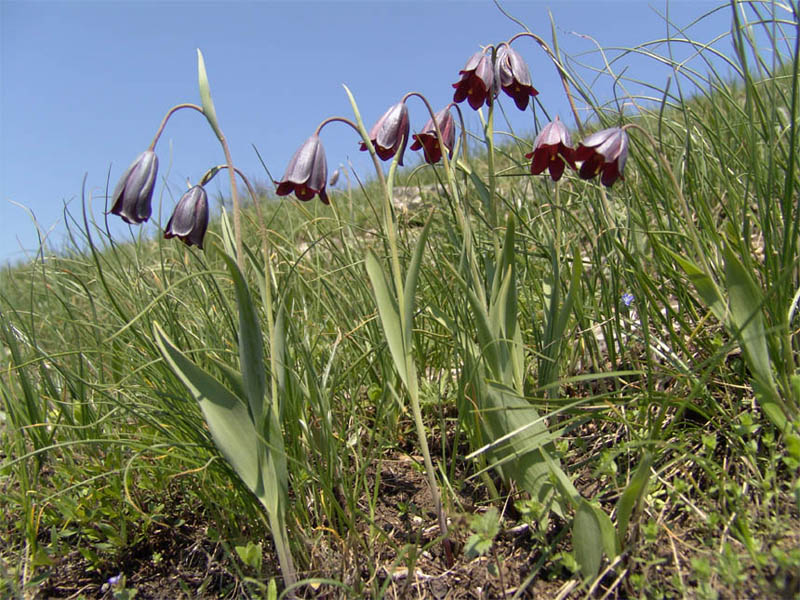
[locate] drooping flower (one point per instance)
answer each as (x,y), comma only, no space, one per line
(134,191)
(512,74)
(477,81)
(389,135)
(189,220)
(427,139)
(605,151)
(552,150)
(307,172)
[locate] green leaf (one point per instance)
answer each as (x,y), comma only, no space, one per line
(410,287)
(587,540)
(747,324)
(607,532)
(227,417)
(704,285)
(389,314)
(519,457)
(205,95)
(632,493)
(251,555)
(251,345)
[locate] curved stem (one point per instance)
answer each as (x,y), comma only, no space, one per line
(166,118)
(562,73)
(411,380)
(237,220)
(387,208)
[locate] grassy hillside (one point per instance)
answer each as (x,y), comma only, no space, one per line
(607,377)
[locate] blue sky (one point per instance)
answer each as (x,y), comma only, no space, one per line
(84,85)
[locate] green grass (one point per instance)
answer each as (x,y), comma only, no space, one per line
(106,460)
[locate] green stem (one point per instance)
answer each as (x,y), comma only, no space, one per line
(412,383)
(170,112)
(562,73)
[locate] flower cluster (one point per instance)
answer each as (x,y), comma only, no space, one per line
(604,152)
(133,197)
(485,74)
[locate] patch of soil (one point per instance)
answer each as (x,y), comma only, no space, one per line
(174,561)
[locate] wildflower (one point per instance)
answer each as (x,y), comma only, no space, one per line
(552,149)
(427,137)
(513,75)
(189,220)
(390,134)
(134,191)
(114,580)
(605,151)
(307,172)
(627,298)
(477,81)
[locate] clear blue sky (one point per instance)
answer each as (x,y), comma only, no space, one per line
(85,84)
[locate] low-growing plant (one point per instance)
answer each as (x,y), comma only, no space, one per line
(609,359)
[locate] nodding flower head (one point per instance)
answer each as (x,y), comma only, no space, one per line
(189,220)
(552,150)
(134,191)
(307,172)
(603,152)
(476,85)
(512,74)
(428,140)
(389,135)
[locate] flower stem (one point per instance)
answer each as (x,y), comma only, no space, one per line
(410,367)
(562,73)
(170,112)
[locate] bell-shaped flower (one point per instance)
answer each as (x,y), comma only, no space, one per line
(189,220)
(389,135)
(605,151)
(307,172)
(512,74)
(134,191)
(552,150)
(428,140)
(477,81)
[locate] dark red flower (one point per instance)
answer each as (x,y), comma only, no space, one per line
(307,172)
(189,220)
(427,139)
(477,81)
(389,135)
(552,150)
(513,75)
(605,151)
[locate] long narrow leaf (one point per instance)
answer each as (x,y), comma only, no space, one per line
(251,344)
(633,492)
(522,461)
(227,417)
(747,322)
(587,540)
(410,288)
(389,314)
